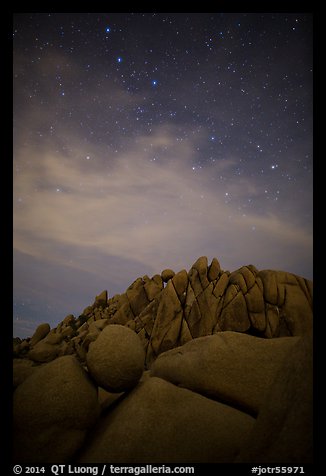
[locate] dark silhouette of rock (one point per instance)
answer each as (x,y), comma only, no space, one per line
(283,431)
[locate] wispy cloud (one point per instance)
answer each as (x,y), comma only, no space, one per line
(157,212)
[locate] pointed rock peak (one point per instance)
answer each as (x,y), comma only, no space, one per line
(214,270)
(180,282)
(101,299)
(200,266)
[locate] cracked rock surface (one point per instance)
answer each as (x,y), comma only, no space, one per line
(204,365)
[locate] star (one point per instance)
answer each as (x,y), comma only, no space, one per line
(128,111)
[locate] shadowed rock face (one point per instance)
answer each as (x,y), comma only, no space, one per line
(232,342)
(284,427)
(53,409)
(161,423)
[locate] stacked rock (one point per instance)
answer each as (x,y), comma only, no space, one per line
(183,367)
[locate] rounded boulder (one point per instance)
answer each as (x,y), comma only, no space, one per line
(116,359)
(53,409)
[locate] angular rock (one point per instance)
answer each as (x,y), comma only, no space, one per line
(192,314)
(161,423)
(53,409)
(89,338)
(239,281)
(98,325)
(180,283)
(68,320)
(41,331)
(214,270)
(297,310)
(123,314)
(207,304)
(98,313)
(167,323)
(146,318)
(88,311)
(221,285)
(152,289)
(116,359)
(137,297)
(283,432)
(101,300)
(255,299)
(198,273)
(231,367)
(158,280)
(234,315)
(288,298)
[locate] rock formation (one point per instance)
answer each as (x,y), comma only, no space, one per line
(116,359)
(53,409)
(195,360)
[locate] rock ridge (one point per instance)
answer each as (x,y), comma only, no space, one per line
(170,309)
(205,366)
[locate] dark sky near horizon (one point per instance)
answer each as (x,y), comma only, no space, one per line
(143,141)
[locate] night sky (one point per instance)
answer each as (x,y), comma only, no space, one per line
(143,141)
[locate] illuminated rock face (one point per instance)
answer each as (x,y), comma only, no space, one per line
(236,342)
(170,309)
(230,367)
(116,359)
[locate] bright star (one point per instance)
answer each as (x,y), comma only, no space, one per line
(119,59)
(154,82)
(108,29)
